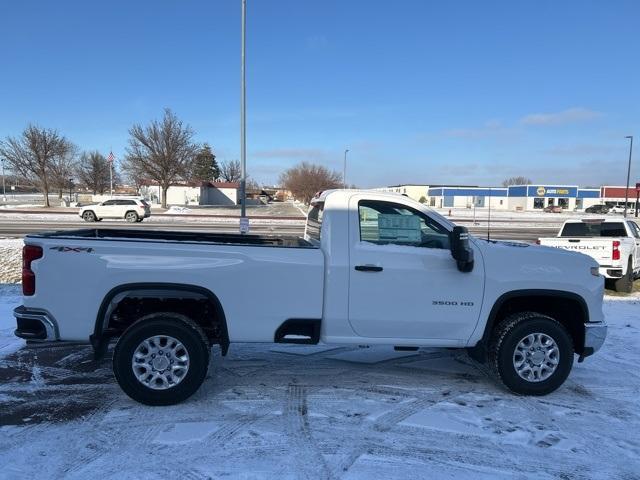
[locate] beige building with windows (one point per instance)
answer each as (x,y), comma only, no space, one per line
(414,191)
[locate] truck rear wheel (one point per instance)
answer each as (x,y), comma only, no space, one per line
(162,359)
(625,283)
(531,353)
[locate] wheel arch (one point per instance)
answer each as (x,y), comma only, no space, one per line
(568,308)
(159,291)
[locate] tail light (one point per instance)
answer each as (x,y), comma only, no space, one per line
(615,254)
(29,254)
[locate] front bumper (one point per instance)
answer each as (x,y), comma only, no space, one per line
(594,336)
(35,324)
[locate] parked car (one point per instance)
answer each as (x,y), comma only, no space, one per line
(620,209)
(553,209)
(130,209)
(372,268)
(602,209)
(613,242)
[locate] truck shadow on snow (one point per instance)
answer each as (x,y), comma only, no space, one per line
(61,383)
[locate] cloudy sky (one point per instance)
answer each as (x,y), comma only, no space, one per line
(419,91)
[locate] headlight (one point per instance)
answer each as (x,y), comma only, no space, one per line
(595,271)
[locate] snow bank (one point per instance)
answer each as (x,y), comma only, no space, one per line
(10,260)
(176,209)
(10,296)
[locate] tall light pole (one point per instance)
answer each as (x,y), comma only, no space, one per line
(4,191)
(344,169)
(626,192)
(243,127)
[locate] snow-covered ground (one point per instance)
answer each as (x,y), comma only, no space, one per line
(10,260)
(287,411)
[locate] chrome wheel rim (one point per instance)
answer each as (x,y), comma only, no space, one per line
(131,217)
(536,357)
(160,362)
(88,216)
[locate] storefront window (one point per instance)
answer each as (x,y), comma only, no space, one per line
(563,202)
(538,203)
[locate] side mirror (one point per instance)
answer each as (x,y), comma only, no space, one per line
(460,249)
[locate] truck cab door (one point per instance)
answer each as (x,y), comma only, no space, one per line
(635,230)
(403,281)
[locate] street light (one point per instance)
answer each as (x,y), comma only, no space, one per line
(344,169)
(244,224)
(626,192)
(4,191)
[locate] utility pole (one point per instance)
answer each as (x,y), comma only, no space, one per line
(344,169)
(244,222)
(626,192)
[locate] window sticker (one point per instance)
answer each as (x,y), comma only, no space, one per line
(399,228)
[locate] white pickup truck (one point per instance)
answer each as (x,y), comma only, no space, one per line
(613,242)
(372,268)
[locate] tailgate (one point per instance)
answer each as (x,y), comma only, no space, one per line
(600,249)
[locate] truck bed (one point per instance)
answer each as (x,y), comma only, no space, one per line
(132,235)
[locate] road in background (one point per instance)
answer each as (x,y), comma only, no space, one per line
(12,227)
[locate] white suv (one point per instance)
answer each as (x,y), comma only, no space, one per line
(131,209)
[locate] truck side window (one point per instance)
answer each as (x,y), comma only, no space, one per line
(387,223)
(635,229)
(314,221)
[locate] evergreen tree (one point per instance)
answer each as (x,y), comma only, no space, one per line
(205,166)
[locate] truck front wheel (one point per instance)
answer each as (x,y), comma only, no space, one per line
(162,359)
(531,353)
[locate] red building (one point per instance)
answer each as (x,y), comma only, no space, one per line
(613,195)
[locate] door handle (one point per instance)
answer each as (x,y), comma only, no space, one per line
(368,268)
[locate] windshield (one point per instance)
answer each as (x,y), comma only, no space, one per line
(608,229)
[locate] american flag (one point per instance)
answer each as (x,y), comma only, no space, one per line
(111,158)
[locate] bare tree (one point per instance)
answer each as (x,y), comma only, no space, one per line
(92,172)
(62,171)
(38,155)
(516,181)
(163,151)
(306,179)
(230,171)
(253,185)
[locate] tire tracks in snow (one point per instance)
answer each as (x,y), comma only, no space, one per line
(310,464)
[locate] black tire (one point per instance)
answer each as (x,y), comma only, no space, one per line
(625,284)
(180,328)
(131,216)
(89,216)
(140,220)
(506,338)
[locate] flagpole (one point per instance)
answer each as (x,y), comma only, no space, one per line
(111,158)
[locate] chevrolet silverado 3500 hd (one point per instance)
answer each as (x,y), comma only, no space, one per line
(372,268)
